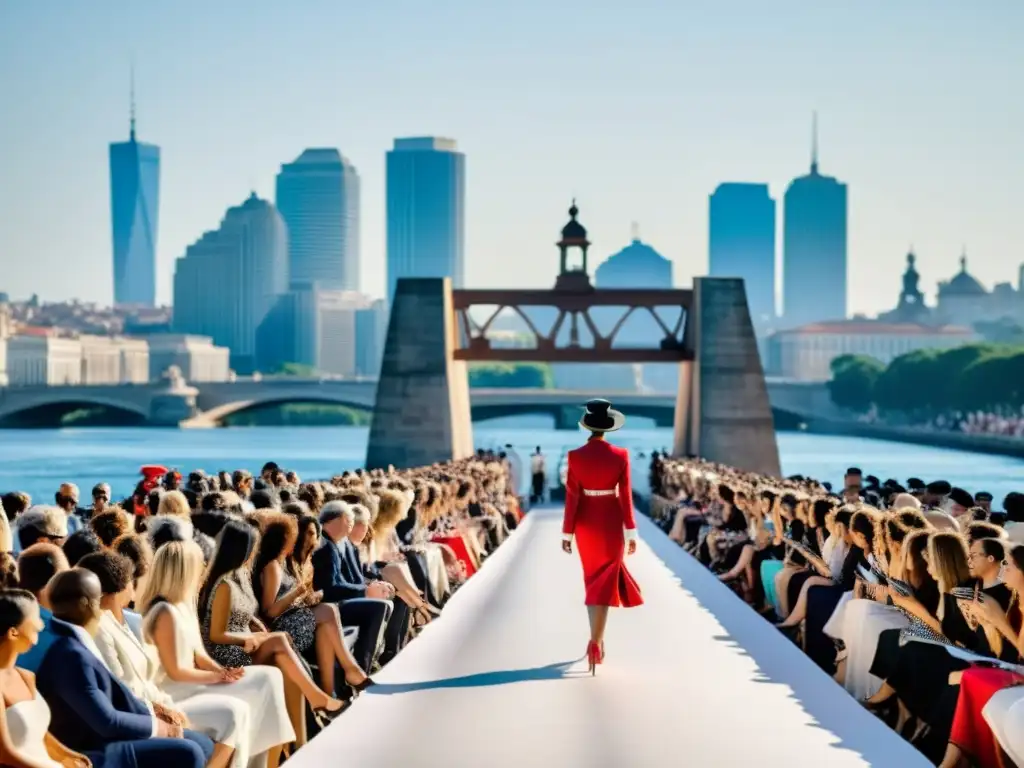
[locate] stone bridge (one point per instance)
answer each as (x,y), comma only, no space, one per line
(207,404)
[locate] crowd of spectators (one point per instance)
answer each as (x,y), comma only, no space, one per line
(221,620)
(908,593)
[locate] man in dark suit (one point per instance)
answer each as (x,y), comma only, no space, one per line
(355,571)
(91,710)
(361,604)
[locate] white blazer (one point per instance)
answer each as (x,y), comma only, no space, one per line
(133,662)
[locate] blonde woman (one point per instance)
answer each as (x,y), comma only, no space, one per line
(252,699)
(6,537)
(922,668)
(383,552)
(134,663)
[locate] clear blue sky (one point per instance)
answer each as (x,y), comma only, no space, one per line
(639,109)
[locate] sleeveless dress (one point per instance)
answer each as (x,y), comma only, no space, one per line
(243,610)
(298,622)
(27,723)
(249,714)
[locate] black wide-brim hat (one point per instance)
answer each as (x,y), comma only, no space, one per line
(601,417)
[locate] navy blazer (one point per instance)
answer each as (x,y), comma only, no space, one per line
(351,566)
(333,575)
(89,707)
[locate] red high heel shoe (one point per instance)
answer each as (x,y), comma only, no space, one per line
(593,656)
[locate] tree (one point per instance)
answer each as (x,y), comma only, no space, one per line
(948,368)
(295,369)
(511,375)
(992,381)
(905,384)
(853,381)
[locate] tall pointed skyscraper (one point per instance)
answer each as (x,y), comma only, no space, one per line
(134,211)
(814,246)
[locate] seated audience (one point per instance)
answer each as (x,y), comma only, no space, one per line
(290,605)
(232,632)
(93,712)
(361,604)
(37,566)
(25,740)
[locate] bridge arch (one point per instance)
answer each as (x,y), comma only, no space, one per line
(53,411)
(215,416)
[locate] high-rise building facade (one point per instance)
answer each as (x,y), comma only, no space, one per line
(814,248)
(371,333)
(426,198)
(134,214)
(318,196)
(312,327)
(229,280)
(741,243)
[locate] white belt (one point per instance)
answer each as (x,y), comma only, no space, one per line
(606,492)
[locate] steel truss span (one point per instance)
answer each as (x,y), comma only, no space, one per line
(574,318)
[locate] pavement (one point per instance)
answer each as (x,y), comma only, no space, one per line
(693,677)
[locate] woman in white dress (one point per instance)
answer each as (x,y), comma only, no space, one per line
(25,741)
(192,678)
(223,718)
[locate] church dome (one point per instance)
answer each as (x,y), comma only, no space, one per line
(963,284)
(637,265)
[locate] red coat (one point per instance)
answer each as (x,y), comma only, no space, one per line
(597,521)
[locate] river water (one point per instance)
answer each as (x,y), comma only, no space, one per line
(37,461)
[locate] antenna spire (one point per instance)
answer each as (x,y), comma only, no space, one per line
(131,96)
(814,142)
(635,230)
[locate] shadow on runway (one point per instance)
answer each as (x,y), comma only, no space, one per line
(556,671)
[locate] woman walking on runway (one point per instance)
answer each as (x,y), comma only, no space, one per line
(599,515)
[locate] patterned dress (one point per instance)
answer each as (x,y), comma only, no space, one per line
(243,610)
(298,622)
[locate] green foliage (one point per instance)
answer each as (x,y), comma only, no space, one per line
(511,375)
(927,382)
(853,381)
(904,385)
(299,415)
(295,369)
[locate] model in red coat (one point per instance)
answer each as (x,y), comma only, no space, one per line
(599,516)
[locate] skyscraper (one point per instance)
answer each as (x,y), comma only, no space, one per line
(312,327)
(318,196)
(814,247)
(741,243)
(134,213)
(426,192)
(229,279)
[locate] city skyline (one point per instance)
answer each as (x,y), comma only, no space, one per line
(911,120)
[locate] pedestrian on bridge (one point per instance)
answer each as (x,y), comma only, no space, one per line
(599,516)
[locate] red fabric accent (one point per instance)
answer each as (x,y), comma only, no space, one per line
(597,522)
(970,731)
(458,546)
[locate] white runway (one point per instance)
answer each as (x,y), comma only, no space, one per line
(694,677)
